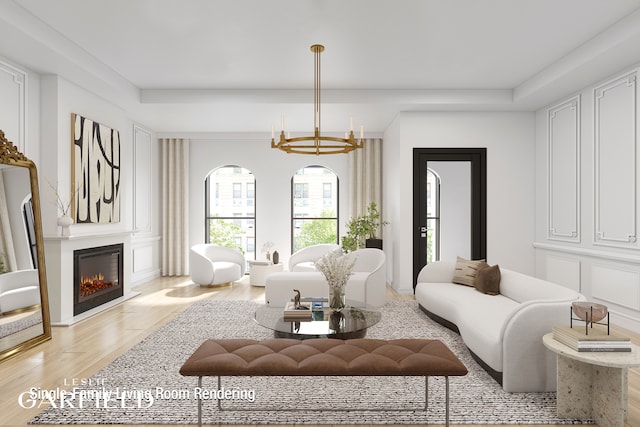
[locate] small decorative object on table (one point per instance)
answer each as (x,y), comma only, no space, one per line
(265,248)
(293,310)
(64,207)
(336,269)
(276,257)
(589,312)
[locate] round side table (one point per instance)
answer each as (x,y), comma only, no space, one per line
(593,384)
(259,270)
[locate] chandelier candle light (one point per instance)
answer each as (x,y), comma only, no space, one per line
(336,269)
(317,143)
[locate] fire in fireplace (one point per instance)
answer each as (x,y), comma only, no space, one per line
(97,276)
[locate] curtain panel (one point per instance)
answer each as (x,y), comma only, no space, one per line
(365,166)
(175,207)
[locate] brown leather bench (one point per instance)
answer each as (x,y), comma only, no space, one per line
(324,357)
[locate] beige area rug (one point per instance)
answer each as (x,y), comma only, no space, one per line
(147,388)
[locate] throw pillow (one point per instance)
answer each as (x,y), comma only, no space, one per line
(488,280)
(467,271)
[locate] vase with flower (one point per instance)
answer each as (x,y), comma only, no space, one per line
(336,269)
(64,207)
(266,247)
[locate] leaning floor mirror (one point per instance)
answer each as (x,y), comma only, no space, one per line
(24,306)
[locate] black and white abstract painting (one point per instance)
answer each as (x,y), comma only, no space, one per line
(96,171)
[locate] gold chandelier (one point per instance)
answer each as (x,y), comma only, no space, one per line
(317,144)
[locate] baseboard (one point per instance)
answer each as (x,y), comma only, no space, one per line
(496,375)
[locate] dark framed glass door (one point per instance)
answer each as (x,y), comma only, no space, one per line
(423,213)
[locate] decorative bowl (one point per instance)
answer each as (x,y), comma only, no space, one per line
(585,310)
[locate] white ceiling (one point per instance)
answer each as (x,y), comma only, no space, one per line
(238,65)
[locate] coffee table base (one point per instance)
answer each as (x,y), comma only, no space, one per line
(340,336)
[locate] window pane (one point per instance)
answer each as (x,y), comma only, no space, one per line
(315,191)
(315,206)
(314,231)
(230,212)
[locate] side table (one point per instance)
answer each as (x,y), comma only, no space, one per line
(593,384)
(259,270)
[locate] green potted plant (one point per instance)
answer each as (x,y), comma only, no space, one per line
(361,231)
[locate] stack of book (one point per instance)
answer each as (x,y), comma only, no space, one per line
(291,313)
(596,340)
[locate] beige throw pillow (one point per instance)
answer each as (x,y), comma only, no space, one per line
(488,280)
(467,271)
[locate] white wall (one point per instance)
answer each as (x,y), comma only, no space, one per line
(273,170)
(509,139)
(588,240)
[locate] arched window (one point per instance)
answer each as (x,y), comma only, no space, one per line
(314,207)
(230,209)
(433,216)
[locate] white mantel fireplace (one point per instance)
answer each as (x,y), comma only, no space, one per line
(70,302)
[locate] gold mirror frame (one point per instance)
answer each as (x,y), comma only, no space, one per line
(9,155)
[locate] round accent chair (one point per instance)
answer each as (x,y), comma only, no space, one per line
(305,258)
(211,264)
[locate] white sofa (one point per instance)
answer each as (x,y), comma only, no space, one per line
(367,285)
(503,331)
(211,264)
(19,289)
(305,258)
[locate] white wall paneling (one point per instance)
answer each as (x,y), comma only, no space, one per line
(563,271)
(13,88)
(142,180)
(145,254)
(563,168)
(616,162)
(617,285)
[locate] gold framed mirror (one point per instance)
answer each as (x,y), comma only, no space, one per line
(24,302)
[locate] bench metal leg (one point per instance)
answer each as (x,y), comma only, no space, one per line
(200,403)
(426,400)
(426,392)
(446,401)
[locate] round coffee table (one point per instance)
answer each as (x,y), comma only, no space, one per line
(351,322)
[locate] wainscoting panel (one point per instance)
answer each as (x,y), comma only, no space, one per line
(616,285)
(563,168)
(563,271)
(13,87)
(616,163)
(142,180)
(146,255)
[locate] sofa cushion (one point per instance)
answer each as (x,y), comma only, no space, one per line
(488,280)
(467,270)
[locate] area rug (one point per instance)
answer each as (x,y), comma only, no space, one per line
(146,387)
(25,322)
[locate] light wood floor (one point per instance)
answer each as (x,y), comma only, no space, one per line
(80,350)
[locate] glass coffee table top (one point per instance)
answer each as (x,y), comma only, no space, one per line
(351,322)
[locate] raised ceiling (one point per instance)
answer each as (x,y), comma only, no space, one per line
(238,65)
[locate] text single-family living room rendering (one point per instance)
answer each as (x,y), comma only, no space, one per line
(321,212)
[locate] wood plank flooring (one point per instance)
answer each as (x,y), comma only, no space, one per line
(80,350)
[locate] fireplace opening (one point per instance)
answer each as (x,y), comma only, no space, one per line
(97,276)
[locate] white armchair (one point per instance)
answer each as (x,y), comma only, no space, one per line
(211,264)
(367,284)
(19,289)
(305,258)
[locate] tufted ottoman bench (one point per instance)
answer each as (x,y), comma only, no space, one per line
(323,357)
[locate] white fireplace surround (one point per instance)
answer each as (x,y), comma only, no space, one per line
(59,264)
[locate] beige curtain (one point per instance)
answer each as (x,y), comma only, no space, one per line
(175,206)
(365,165)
